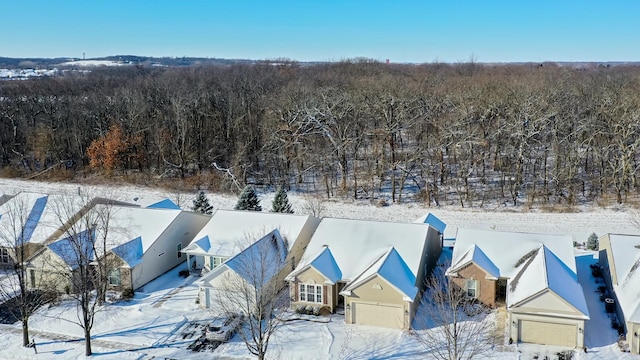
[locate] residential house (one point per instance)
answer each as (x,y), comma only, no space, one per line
(619,259)
(28,220)
(228,232)
(139,244)
(374,271)
(533,275)
(228,286)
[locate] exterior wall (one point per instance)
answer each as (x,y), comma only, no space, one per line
(48,272)
(162,255)
(430,254)
(547,302)
(632,339)
(311,276)
(486,288)
(605,260)
(298,246)
(113,262)
(515,318)
(378,291)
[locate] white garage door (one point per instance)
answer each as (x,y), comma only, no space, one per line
(378,315)
(548,333)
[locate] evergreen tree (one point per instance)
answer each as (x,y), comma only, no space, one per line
(280,202)
(248,200)
(592,242)
(201,204)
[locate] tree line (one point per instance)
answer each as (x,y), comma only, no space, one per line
(467,134)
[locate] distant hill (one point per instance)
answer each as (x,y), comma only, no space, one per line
(21,63)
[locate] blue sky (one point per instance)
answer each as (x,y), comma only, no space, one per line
(330,30)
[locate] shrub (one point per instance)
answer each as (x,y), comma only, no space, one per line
(592,242)
(127,294)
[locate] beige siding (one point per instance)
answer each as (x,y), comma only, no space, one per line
(486,288)
(48,272)
(311,276)
(378,291)
(548,301)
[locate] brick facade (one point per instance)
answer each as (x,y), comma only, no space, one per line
(486,288)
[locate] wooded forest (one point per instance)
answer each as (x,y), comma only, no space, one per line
(467,134)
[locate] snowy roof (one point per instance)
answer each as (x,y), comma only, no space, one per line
(73,249)
(626,258)
(227,230)
(357,245)
(258,263)
(130,252)
(545,271)
(477,256)
(164,204)
(392,268)
(433,221)
(505,249)
(126,223)
(39,213)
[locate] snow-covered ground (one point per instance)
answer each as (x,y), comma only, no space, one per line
(156,323)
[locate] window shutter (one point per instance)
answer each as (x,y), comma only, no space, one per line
(324,295)
(297,287)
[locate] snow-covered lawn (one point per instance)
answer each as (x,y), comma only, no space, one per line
(160,322)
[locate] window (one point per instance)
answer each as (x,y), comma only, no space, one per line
(215,261)
(32,276)
(311,293)
(179,250)
(114,277)
(4,256)
(472,288)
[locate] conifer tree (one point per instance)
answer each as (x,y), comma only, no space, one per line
(280,202)
(201,204)
(248,200)
(592,242)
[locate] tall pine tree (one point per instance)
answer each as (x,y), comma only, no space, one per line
(201,204)
(280,202)
(248,200)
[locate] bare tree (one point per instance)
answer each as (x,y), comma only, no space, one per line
(313,206)
(17,223)
(453,326)
(250,284)
(83,248)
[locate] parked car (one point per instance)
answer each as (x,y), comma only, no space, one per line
(222,328)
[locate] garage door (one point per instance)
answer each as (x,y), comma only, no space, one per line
(548,333)
(377,315)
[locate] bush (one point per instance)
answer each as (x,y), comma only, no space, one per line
(127,294)
(592,242)
(183,273)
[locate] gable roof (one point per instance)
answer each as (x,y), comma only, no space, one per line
(626,258)
(505,249)
(477,256)
(433,221)
(130,230)
(72,250)
(360,248)
(257,264)
(532,263)
(130,252)
(164,204)
(545,271)
(226,229)
(392,268)
(325,264)
(35,215)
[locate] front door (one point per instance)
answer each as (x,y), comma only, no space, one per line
(501,290)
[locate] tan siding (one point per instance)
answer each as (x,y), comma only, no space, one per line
(311,276)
